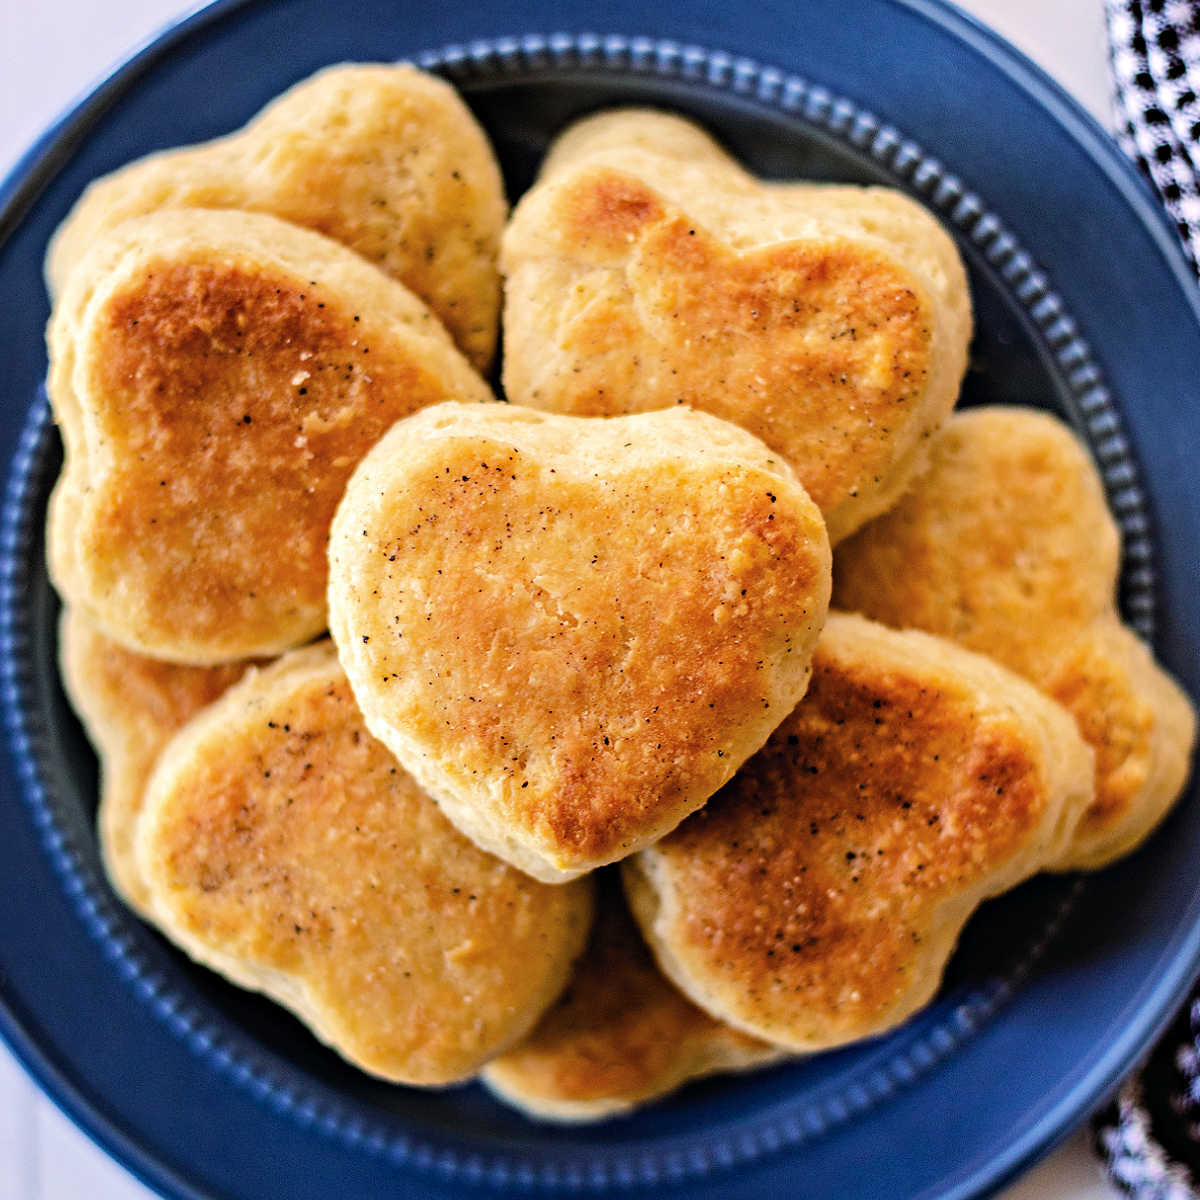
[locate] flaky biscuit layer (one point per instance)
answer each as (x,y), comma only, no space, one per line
(382,158)
(131,706)
(646,269)
(1007,546)
(216,376)
(286,848)
(816,899)
(572,630)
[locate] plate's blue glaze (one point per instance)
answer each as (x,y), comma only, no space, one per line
(1082,299)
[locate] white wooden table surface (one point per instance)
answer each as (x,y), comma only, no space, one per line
(50,52)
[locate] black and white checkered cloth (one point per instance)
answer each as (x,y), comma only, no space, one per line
(1149,1137)
(1155,51)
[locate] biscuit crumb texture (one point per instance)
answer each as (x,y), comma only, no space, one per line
(816,899)
(216,377)
(283,846)
(620,1036)
(383,158)
(1007,546)
(131,706)
(573,631)
(646,269)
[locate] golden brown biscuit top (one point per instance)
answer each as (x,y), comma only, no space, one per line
(898,799)
(835,323)
(225,399)
(582,617)
(1142,727)
(122,693)
(383,158)
(1005,545)
(131,705)
(620,1032)
(825,884)
(646,268)
(284,844)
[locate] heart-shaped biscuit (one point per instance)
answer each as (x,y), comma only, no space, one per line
(572,631)
(131,706)
(217,376)
(817,898)
(646,269)
(620,1035)
(286,848)
(1007,546)
(383,158)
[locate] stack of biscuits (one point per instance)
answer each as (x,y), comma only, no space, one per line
(386,676)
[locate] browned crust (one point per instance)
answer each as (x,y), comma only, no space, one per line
(573,631)
(385,159)
(1007,546)
(285,846)
(225,401)
(820,348)
(815,899)
(620,1035)
(130,706)
(646,268)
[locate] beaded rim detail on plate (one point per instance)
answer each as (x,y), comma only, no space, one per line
(1090,407)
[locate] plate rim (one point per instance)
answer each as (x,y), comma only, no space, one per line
(20,191)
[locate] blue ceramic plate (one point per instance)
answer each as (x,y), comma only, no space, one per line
(1084,306)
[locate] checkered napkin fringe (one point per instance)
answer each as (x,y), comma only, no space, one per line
(1155,50)
(1149,1137)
